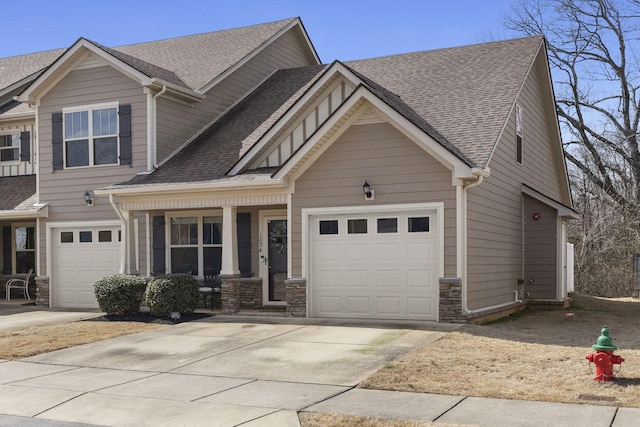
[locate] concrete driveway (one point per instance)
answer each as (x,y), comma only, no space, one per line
(221,371)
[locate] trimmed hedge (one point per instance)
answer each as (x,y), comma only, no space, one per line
(120,294)
(173,293)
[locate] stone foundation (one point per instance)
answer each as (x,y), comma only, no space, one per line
(42,291)
(230,294)
(450,306)
(296,297)
(250,293)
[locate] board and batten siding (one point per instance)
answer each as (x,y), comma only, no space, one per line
(495,246)
(18,168)
(176,123)
(63,189)
(398,170)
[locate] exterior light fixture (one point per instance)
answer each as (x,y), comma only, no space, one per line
(368,192)
(87,198)
(536,216)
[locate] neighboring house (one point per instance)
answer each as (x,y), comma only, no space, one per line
(427,186)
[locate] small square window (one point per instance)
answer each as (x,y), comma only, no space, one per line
(357,226)
(86,237)
(387,225)
(104,236)
(418,224)
(329,227)
(66,237)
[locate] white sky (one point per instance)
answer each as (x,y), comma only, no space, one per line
(339,29)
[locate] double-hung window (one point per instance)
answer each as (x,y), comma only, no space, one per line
(195,242)
(25,248)
(9,147)
(91,135)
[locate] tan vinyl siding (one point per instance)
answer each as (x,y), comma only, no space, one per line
(64,189)
(18,168)
(494,209)
(177,122)
(540,248)
(398,170)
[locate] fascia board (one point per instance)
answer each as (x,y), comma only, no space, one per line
(67,60)
(449,160)
(564,211)
(335,69)
(189,187)
(255,52)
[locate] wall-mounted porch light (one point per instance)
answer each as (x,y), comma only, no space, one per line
(87,198)
(368,192)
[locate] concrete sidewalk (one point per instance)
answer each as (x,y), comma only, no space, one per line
(229,371)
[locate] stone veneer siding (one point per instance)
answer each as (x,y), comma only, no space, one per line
(230,293)
(42,291)
(296,297)
(250,293)
(450,309)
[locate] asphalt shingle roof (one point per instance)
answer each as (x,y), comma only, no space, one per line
(17,193)
(465,93)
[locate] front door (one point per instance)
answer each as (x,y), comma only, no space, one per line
(273,257)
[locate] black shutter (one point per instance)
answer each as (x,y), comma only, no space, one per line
(6,250)
(25,146)
(125,134)
(56,141)
(159,265)
(244,244)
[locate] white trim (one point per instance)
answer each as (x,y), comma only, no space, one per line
(308,213)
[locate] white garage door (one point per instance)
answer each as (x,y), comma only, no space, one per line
(81,256)
(375,265)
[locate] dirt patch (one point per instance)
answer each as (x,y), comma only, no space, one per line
(534,355)
(311,419)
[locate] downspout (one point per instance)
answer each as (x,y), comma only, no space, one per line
(152,121)
(123,256)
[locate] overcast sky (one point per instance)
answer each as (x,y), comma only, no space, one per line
(339,29)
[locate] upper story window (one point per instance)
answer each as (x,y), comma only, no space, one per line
(91,136)
(518,134)
(9,147)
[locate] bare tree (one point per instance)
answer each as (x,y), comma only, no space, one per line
(592,47)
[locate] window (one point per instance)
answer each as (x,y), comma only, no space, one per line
(329,227)
(9,147)
(387,225)
(418,224)
(91,136)
(25,248)
(85,236)
(357,226)
(518,134)
(196,244)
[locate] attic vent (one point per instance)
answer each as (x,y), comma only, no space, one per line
(304,128)
(369,117)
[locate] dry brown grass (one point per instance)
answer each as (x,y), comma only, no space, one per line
(312,419)
(43,339)
(538,355)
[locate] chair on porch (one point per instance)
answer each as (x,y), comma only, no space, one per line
(17,283)
(211,285)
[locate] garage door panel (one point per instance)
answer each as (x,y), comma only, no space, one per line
(357,278)
(78,265)
(374,275)
(358,305)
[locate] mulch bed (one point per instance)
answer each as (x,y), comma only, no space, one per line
(149,318)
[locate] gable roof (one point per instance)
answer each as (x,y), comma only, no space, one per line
(466,92)
(189,62)
(457,96)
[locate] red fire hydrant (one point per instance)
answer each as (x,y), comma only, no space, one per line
(604,357)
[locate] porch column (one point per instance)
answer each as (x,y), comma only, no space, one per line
(229,242)
(130,241)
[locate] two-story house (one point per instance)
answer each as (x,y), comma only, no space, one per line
(429,185)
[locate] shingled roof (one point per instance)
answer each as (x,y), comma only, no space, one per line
(189,61)
(465,92)
(18,193)
(461,97)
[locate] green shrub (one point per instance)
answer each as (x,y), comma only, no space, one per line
(173,293)
(120,294)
